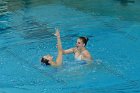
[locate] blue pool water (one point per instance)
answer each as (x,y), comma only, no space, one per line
(26,34)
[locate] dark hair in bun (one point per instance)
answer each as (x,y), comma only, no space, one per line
(84,40)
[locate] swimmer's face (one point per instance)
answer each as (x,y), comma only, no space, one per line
(80,43)
(48,57)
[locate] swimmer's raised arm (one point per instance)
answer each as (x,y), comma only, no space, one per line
(59,57)
(48,59)
(57,34)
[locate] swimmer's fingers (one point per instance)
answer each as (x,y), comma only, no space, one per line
(57,33)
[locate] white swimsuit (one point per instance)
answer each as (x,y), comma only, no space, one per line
(79,57)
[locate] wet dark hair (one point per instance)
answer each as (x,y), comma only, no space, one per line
(84,40)
(45,61)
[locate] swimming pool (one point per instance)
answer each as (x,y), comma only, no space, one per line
(26,34)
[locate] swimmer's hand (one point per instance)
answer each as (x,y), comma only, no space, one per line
(57,33)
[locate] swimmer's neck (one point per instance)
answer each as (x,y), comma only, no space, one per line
(81,49)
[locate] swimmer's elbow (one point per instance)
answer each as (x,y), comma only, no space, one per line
(89,60)
(58,63)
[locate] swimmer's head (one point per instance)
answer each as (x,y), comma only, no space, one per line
(46,59)
(82,41)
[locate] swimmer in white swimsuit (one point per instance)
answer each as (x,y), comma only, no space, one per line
(80,52)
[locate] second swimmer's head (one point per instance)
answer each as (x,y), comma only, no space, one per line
(46,59)
(82,41)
